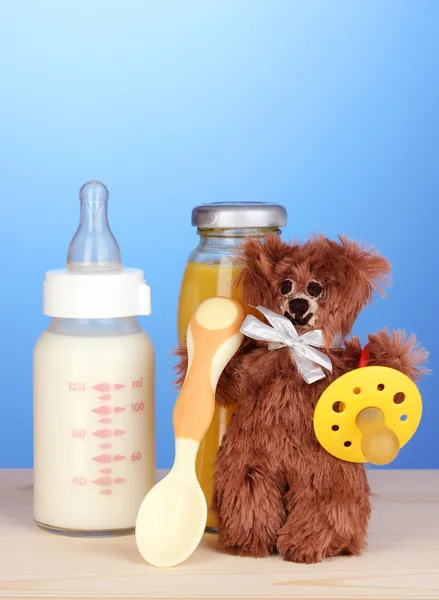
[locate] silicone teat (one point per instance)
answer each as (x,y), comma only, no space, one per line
(379,444)
(94,247)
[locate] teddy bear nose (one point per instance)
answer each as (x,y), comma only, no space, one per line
(299,306)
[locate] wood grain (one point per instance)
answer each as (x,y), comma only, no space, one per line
(402,560)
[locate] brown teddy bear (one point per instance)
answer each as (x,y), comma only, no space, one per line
(275,488)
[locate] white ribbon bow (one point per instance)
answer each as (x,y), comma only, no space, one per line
(283,334)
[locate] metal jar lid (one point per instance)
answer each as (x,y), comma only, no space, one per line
(230,215)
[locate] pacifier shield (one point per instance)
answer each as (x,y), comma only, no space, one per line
(395,394)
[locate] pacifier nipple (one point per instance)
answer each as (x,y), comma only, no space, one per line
(93,247)
(379,443)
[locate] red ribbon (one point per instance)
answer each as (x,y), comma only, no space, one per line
(364,356)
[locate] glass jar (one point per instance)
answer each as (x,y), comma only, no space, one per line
(211,270)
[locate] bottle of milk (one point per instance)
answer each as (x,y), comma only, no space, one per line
(94,446)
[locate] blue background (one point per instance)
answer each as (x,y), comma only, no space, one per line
(330,107)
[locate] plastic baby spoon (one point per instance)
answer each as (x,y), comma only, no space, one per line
(367,415)
(173,515)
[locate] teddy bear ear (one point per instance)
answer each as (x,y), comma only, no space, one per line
(262,255)
(259,258)
(374,268)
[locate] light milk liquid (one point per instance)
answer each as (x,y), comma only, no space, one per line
(94,446)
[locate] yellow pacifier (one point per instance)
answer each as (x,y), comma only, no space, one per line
(367,415)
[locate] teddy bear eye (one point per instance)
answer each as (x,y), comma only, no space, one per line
(314,289)
(286,287)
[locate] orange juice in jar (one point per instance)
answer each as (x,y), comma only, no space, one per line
(211,270)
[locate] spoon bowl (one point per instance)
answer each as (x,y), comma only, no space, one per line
(171,519)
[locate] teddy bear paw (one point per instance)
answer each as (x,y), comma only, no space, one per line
(308,547)
(311,551)
(254,551)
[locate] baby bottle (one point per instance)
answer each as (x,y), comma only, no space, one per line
(94,446)
(211,271)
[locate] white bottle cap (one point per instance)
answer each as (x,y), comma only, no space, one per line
(95,285)
(70,295)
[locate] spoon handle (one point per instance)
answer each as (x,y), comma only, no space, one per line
(213,338)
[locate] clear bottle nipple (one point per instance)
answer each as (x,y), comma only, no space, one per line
(93,247)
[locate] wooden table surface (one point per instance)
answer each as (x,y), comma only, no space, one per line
(402,560)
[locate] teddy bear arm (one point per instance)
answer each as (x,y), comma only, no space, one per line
(398,351)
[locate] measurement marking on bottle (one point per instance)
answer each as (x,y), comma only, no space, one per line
(105,397)
(102,387)
(103,481)
(118,457)
(105,421)
(103,458)
(105,446)
(138,406)
(138,383)
(79,481)
(79,433)
(106,410)
(118,432)
(102,410)
(105,492)
(118,386)
(136,456)
(76,386)
(105,471)
(102,433)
